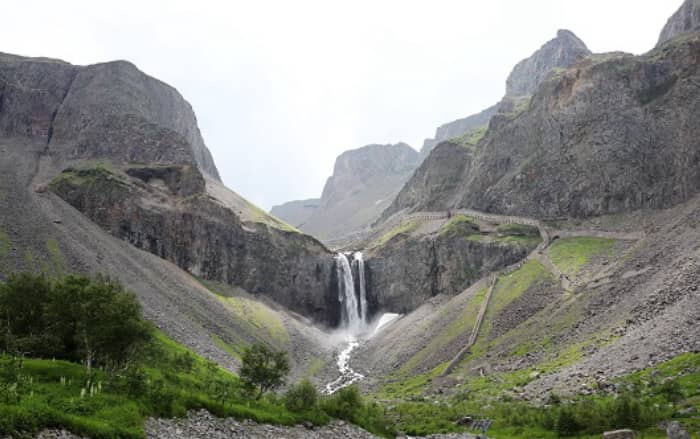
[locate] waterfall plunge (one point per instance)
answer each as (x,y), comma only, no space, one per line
(353,311)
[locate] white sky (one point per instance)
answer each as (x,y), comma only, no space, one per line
(281,88)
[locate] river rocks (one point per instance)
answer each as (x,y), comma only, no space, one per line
(686,19)
(674,430)
(619,434)
(202,425)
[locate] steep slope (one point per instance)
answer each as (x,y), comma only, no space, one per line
(630,300)
(557,53)
(296,213)
(610,134)
(364,182)
(457,128)
(109,144)
(686,19)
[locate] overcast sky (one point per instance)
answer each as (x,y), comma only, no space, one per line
(281,88)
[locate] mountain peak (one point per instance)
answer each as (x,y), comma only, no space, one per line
(685,19)
(561,52)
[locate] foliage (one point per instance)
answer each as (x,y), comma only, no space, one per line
(348,404)
(263,369)
(402,229)
(75,318)
(459,225)
(471,137)
(301,397)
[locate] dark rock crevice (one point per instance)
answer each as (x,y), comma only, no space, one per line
(49,134)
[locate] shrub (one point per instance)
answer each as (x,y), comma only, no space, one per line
(344,403)
(301,397)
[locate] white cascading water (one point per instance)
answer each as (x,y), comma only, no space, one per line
(363,292)
(353,318)
(349,311)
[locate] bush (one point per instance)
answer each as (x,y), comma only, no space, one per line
(344,403)
(301,397)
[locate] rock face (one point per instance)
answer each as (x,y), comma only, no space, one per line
(296,213)
(408,270)
(134,162)
(686,19)
(363,183)
(610,134)
(457,128)
(109,111)
(557,53)
(436,180)
(560,52)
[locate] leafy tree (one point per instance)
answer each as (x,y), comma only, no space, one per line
(97,321)
(263,369)
(75,318)
(22,304)
(301,397)
(345,403)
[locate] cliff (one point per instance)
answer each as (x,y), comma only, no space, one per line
(124,149)
(609,134)
(557,53)
(686,19)
(364,182)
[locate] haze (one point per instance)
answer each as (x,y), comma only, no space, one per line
(281,88)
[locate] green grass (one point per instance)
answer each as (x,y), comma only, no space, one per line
(459,225)
(570,255)
(53,395)
(461,326)
(471,138)
(5,244)
(259,316)
(58,261)
(401,229)
(659,393)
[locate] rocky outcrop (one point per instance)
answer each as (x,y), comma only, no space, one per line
(612,133)
(363,184)
(203,237)
(134,162)
(559,52)
(686,19)
(408,270)
(457,128)
(296,213)
(109,111)
(436,181)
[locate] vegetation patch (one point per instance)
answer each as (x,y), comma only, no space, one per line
(471,138)
(570,255)
(58,261)
(461,326)
(5,244)
(259,316)
(402,229)
(459,225)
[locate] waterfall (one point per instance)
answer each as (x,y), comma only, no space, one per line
(349,311)
(353,312)
(363,290)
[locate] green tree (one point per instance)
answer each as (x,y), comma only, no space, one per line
(301,397)
(22,304)
(263,369)
(97,321)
